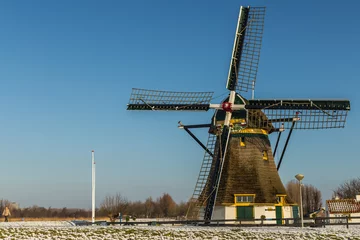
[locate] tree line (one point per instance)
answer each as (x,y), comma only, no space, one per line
(348,189)
(111,206)
(42,212)
(165,207)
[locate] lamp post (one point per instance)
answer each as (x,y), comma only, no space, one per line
(300,177)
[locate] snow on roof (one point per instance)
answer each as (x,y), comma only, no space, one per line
(343,206)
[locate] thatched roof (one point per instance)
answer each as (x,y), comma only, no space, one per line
(245,172)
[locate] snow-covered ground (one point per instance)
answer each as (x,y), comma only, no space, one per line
(66,230)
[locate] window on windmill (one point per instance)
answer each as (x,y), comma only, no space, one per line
(242,141)
(265,155)
(245,199)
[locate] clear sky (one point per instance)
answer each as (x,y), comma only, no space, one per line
(67,69)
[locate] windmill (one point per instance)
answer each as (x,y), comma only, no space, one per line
(238,178)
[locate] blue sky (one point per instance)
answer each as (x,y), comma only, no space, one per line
(67,69)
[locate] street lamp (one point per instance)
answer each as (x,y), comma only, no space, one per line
(300,177)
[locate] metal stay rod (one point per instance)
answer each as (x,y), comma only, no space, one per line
(277,143)
(198,141)
(280,130)
(287,141)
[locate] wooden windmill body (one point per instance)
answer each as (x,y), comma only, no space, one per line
(238,178)
(249,167)
(249,177)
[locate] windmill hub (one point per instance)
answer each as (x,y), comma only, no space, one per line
(227,106)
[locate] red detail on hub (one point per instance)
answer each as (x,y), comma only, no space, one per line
(226,106)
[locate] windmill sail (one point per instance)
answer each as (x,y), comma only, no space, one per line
(198,199)
(312,114)
(251,50)
(246,51)
(143,99)
(214,177)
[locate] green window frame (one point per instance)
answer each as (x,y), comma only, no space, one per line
(244,199)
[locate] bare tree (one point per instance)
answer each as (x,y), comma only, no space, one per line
(149,207)
(157,209)
(348,189)
(167,205)
(312,200)
(181,209)
(312,197)
(113,205)
(292,189)
(136,209)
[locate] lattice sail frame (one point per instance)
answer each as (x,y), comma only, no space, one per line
(143,99)
(312,114)
(251,49)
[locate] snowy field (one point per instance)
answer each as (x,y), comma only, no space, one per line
(66,230)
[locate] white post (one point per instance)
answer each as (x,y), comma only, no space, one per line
(300,177)
(301,207)
(93,186)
